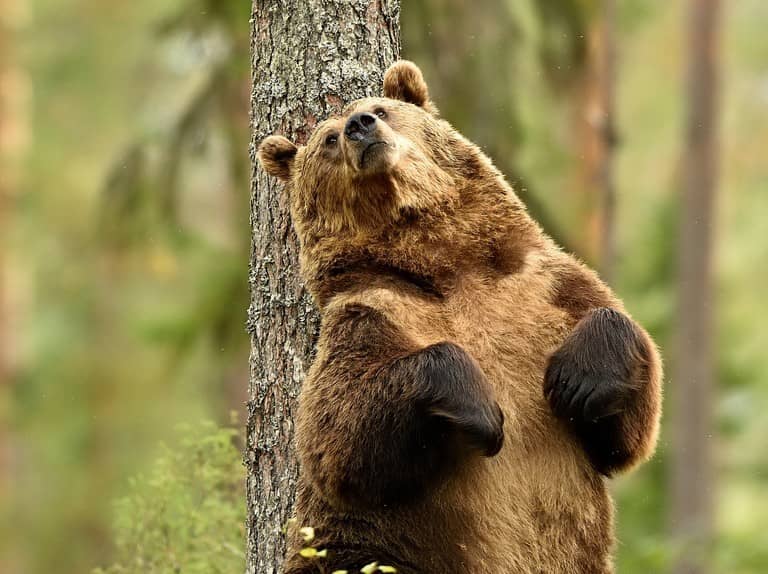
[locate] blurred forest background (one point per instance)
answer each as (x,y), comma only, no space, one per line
(124,243)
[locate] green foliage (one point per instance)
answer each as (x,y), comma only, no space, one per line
(187,514)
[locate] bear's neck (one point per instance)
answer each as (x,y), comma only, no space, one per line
(488,236)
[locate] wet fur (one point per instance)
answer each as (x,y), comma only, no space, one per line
(442,299)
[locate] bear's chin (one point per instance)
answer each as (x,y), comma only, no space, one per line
(376,158)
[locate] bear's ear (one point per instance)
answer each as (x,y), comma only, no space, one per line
(276,155)
(403,81)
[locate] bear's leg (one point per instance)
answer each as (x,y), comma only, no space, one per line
(604,383)
(452,387)
(351,560)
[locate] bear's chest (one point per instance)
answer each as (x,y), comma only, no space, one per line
(509,326)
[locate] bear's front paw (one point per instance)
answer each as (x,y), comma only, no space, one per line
(577,394)
(481,424)
(458,392)
(591,376)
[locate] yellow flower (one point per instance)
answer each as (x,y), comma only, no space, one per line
(307,533)
(308,552)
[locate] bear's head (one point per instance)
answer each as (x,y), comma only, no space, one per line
(389,182)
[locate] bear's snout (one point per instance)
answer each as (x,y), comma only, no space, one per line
(360,126)
(369,144)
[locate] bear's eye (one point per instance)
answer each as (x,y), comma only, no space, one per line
(380,112)
(331,139)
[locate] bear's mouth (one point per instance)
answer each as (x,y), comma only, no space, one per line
(368,148)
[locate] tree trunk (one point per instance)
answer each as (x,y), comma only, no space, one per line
(5,392)
(692,486)
(608,139)
(309,59)
(598,139)
(14,139)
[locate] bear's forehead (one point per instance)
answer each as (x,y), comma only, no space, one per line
(363,104)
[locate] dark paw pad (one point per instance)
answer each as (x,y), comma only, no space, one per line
(590,377)
(584,395)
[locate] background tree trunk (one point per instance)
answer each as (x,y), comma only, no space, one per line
(5,438)
(309,59)
(608,139)
(692,475)
(14,140)
(597,138)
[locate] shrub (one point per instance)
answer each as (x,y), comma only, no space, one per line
(187,514)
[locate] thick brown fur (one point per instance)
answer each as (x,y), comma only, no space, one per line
(474,385)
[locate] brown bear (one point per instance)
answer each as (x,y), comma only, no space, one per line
(474,386)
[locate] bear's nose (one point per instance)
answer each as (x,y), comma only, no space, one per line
(359,126)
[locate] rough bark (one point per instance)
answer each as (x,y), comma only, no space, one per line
(692,473)
(309,58)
